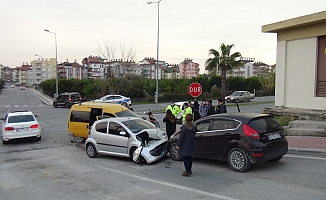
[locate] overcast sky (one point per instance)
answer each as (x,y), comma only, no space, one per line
(188,28)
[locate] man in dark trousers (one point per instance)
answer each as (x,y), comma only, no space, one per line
(211,108)
(221,108)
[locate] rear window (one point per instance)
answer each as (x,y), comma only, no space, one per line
(79,116)
(21,118)
(265,124)
(127,113)
(75,96)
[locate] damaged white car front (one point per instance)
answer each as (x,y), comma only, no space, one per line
(153,146)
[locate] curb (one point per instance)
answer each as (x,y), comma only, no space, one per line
(45,99)
(307,151)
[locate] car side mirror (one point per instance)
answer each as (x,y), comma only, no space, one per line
(36,115)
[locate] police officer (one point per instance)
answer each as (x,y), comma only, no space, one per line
(174,109)
(187,110)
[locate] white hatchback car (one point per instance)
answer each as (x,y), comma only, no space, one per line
(20,124)
(129,137)
(119,99)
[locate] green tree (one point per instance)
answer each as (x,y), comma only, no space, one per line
(223,61)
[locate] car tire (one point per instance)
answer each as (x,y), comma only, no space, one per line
(237,101)
(140,160)
(276,159)
(238,160)
(39,138)
(91,150)
(175,154)
(4,142)
(55,105)
(124,104)
(79,139)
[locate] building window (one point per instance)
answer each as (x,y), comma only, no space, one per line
(321,67)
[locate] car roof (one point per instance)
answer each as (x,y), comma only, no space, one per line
(94,104)
(70,93)
(118,119)
(15,113)
(241,116)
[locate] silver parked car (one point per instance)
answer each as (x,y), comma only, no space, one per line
(239,96)
(129,137)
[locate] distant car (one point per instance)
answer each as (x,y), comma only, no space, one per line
(241,139)
(129,137)
(119,99)
(20,124)
(12,86)
(238,96)
(67,99)
(22,88)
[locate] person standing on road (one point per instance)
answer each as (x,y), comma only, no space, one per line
(195,111)
(187,110)
(221,108)
(203,108)
(187,144)
(170,122)
(174,109)
(211,108)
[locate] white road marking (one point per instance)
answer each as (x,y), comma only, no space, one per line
(167,184)
(306,157)
(8,181)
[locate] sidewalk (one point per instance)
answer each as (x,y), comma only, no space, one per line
(307,145)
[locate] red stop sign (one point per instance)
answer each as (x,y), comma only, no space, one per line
(195,89)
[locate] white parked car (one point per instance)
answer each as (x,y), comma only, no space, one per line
(180,105)
(119,99)
(129,137)
(20,124)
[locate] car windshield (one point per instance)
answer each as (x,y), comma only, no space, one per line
(265,124)
(127,113)
(21,118)
(235,94)
(137,125)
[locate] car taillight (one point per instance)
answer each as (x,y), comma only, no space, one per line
(9,128)
(257,154)
(250,132)
(69,99)
(35,126)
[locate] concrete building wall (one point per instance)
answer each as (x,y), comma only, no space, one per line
(296,74)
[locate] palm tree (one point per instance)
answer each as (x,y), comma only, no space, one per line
(223,61)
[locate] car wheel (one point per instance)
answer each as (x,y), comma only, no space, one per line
(237,101)
(175,154)
(55,105)
(39,138)
(4,142)
(124,104)
(91,150)
(276,159)
(238,160)
(139,159)
(79,139)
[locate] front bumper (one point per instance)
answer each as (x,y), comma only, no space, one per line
(155,152)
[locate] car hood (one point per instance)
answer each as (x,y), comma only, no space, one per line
(152,133)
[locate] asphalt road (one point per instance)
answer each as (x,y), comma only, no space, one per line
(56,168)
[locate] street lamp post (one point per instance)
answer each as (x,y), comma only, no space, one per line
(157,50)
(56,62)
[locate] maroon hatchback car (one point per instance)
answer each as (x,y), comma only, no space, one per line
(239,138)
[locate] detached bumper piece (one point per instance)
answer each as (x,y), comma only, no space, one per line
(160,149)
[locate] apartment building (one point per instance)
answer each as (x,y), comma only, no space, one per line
(171,72)
(68,70)
(43,69)
(188,69)
(94,67)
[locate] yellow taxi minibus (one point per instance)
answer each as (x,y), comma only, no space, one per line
(82,116)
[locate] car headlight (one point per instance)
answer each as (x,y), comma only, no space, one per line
(232,98)
(226,98)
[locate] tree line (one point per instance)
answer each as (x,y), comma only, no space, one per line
(143,90)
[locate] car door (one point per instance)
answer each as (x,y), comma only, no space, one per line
(218,138)
(109,99)
(117,143)
(202,128)
(101,135)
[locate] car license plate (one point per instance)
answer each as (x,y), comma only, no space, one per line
(274,136)
(21,129)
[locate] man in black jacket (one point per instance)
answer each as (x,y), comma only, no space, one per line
(221,108)
(211,108)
